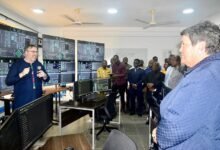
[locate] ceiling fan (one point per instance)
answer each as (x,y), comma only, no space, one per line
(153,22)
(76,20)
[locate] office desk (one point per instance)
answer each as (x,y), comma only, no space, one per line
(77,141)
(55,90)
(6,101)
(87,106)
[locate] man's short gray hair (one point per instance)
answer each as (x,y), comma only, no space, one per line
(204,31)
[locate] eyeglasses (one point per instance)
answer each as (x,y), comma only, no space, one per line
(33,51)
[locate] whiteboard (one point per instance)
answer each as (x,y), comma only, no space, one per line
(131,53)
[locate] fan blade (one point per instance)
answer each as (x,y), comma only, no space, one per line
(69,18)
(168,23)
(142,21)
(91,23)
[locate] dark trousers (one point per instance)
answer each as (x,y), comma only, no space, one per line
(121,90)
(136,93)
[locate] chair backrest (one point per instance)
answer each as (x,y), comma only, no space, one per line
(119,141)
(110,109)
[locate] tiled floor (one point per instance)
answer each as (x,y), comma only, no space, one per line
(133,126)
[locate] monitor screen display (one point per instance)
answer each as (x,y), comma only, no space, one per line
(85,51)
(82,87)
(99,52)
(67,66)
(3,85)
(90,51)
(101,85)
(53,70)
(94,75)
(13,41)
(57,48)
(66,78)
(67,72)
(96,65)
(84,75)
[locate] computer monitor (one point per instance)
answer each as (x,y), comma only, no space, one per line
(100,85)
(67,74)
(13,41)
(27,124)
(84,75)
(34,119)
(96,65)
(82,87)
(66,78)
(58,48)
(4,69)
(10,137)
(53,70)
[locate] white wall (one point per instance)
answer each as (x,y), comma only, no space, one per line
(157,41)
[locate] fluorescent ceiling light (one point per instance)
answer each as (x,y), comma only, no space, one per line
(188,11)
(38,11)
(112,11)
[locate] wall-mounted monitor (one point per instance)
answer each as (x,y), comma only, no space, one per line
(84,66)
(4,69)
(96,65)
(13,41)
(84,75)
(99,52)
(57,48)
(66,78)
(90,51)
(53,70)
(67,72)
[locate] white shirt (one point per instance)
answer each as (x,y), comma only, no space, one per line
(168,75)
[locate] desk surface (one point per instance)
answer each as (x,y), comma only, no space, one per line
(52,90)
(77,141)
(5,92)
(6,99)
(88,104)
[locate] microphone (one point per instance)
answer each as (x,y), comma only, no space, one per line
(39,68)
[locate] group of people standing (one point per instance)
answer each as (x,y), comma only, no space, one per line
(138,82)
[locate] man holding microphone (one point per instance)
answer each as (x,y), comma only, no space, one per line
(27,75)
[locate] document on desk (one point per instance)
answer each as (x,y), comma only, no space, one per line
(9,96)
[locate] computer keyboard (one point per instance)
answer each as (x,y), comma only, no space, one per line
(95,97)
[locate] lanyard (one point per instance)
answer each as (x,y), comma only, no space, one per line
(33,79)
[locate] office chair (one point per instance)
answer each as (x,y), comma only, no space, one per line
(105,114)
(119,141)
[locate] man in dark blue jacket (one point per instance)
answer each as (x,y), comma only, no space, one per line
(27,75)
(190,117)
(135,76)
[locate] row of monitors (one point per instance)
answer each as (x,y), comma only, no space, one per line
(56,66)
(85,87)
(13,41)
(60,72)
